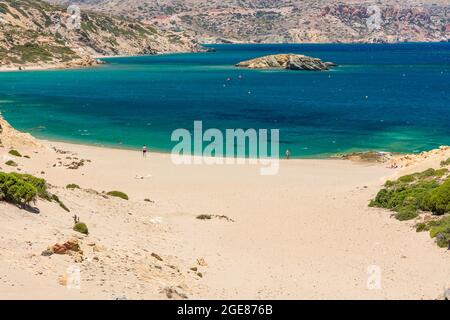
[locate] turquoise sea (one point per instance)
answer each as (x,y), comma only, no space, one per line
(391,97)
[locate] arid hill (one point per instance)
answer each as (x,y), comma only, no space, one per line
(294,21)
(37,33)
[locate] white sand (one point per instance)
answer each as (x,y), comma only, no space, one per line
(304,233)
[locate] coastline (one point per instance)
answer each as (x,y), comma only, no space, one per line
(82,63)
(364,156)
(76,65)
(368,156)
(277,240)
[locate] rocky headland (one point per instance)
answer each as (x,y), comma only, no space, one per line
(36,35)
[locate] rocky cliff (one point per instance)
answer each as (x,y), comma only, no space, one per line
(35,33)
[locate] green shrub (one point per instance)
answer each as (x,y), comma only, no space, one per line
(14,153)
(11,163)
(440,229)
(24,188)
(41,187)
(440,172)
(421,227)
(445,163)
(39,183)
(390,183)
(381,199)
(81,228)
(406,213)
(72,186)
(443,240)
(419,191)
(425,174)
(118,194)
(15,190)
(407,179)
(439,226)
(438,200)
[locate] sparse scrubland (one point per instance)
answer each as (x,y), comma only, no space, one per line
(34,33)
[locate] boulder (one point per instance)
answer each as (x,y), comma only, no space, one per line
(70,245)
(287,61)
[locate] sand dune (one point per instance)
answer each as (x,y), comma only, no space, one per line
(304,233)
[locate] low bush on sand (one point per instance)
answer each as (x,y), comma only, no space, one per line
(72,186)
(427,191)
(445,163)
(81,227)
(16,190)
(438,200)
(11,163)
(118,194)
(14,153)
(55,198)
(39,183)
(438,229)
(22,189)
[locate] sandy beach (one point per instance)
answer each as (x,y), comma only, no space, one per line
(306,233)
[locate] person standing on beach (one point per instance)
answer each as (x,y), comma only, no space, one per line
(288,154)
(144,151)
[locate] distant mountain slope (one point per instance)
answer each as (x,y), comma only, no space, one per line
(33,32)
(291,20)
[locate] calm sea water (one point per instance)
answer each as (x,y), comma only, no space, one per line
(381,97)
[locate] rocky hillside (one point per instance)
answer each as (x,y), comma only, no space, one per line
(34,33)
(291,20)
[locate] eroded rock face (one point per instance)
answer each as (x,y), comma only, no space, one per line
(286,61)
(36,35)
(289,21)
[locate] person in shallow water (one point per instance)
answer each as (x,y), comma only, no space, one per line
(144,151)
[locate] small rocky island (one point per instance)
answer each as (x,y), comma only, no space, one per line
(287,61)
